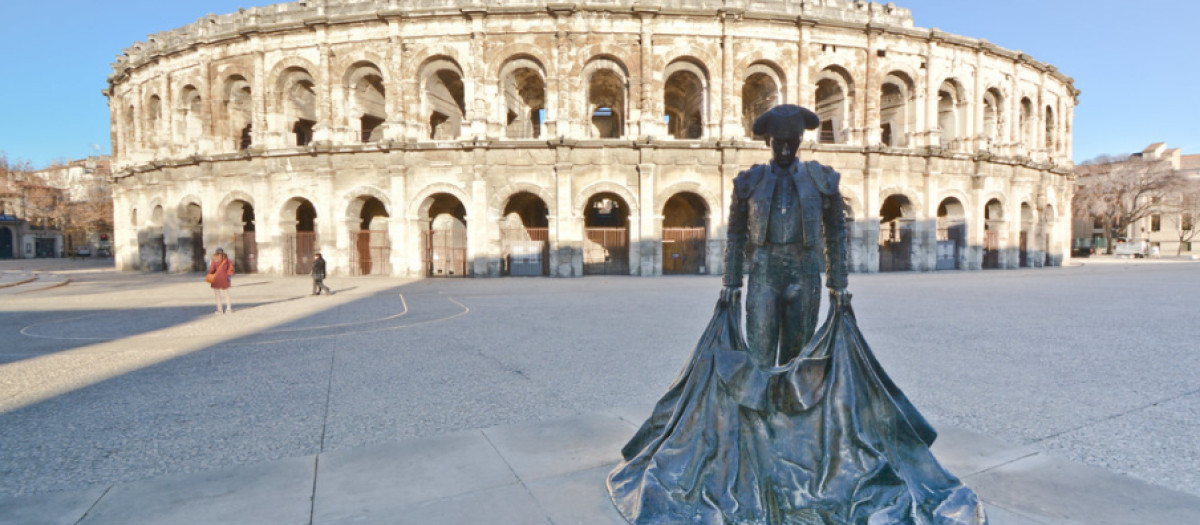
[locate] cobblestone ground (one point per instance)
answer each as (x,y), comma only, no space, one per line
(117,377)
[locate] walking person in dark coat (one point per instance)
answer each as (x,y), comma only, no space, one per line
(318,275)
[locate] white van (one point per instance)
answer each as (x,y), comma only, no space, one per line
(1135,249)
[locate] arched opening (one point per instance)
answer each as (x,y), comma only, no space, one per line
(1052,259)
(896,218)
(372,253)
(948,101)
(831,102)
(683,100)
(299,225)
(368,100)
(445,225)
(525,235)
(993,117)
(684,234)
(893,111)
(239,112)
(606,98)
(1026,124)
(606,235)
(1024,260)
(6,242)
(993,224)
(443,100)
(299,104)
(190,124)
(951,234)
(152,246)
(1051,135)
(153,117)
(191,237)
(760,92)
(245,244)
(524,92)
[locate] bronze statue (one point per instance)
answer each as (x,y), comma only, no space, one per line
(779,211)
(787,427)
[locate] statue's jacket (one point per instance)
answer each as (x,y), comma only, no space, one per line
(820,202)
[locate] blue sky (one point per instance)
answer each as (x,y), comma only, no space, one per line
(1137,64)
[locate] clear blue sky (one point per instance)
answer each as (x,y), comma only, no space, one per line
(1138,64)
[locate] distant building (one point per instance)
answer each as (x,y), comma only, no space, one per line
(1162,228)
(26,230)
(86,186)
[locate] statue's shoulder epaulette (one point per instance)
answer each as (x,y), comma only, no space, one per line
(824,177)
(745,181)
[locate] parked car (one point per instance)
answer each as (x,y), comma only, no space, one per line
(1082,251)
(83,251)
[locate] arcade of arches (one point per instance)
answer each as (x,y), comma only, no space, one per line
(546,139)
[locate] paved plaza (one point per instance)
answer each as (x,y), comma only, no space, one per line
(1063,395)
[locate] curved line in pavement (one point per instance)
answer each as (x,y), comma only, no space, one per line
(465,310)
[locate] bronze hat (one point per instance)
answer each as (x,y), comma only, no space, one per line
(786,121)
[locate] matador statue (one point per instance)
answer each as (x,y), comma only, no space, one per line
(780,213)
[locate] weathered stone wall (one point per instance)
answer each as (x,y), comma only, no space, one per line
(274,107)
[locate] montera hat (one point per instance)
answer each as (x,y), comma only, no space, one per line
(786,121)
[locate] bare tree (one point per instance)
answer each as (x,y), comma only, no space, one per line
(1184,212)
(1122,190)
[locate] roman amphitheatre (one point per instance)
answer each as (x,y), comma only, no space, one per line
(454,138)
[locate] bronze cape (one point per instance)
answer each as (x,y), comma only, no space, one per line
(826,438)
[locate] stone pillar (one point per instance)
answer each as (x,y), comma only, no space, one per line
(649,242)
(567,228)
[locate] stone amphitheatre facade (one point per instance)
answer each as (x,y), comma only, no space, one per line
(457,138)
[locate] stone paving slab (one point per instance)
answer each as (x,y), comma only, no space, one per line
(552,473)
(53,508)
(374,484)
(278,492)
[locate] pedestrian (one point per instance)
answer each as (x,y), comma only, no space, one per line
(318,275)
(220,270)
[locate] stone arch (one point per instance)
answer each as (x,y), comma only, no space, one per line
(898,215)
(762,89)
(352,200)
(712,201)
(1026,122)
(442,219)
(506,54)
(834,103)
(235,195)
(417,205)
(443,108)
(295,100)
(897,108)
(1051,130)
(952,106)
(367,223)
(190,108)
(365,85)
(584,195)
(499,199)
(607,110)
(686,97)
(994,112)
(153,116)
(238,115)
(523,87)
(686,221)
(608,221)
(952,229)
(994,223)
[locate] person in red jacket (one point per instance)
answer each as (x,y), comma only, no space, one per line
(220,270)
